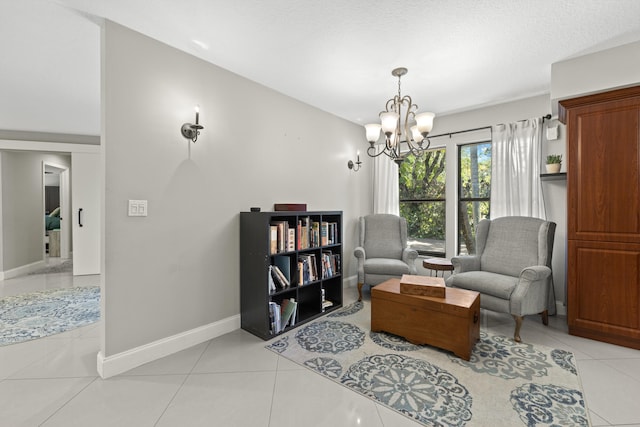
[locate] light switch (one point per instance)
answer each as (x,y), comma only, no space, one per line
(137,208)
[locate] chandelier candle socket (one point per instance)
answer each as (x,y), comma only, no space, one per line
(400,124)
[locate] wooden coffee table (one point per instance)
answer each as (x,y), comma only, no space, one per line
(451,323)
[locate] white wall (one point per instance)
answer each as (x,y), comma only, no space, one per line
(554,192)
(23,206)
(178,269)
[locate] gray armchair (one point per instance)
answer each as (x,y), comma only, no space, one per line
(511,268)
(382,252)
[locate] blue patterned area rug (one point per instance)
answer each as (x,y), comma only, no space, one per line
(504,383)
(40,314)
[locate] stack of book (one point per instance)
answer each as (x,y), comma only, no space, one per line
(282,237)
(282,315)
(307,270)
(330,264)
(279,273)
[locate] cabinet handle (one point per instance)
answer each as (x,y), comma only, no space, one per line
(80,217)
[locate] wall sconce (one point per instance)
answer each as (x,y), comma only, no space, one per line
(190,131)
(355,166)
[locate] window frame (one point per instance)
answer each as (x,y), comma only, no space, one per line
(460,192)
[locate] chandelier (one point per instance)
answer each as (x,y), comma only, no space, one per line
(400,125)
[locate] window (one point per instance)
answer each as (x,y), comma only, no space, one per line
(422,201)
(474,177)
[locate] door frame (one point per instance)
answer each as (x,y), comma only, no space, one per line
(52,147)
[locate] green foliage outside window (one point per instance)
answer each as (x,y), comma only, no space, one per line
(422,200)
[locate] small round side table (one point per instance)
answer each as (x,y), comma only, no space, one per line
(438,264)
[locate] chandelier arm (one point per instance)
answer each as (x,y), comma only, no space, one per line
(369,151)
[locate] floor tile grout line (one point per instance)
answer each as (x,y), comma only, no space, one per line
(68,401)
(186,377)
(273,390)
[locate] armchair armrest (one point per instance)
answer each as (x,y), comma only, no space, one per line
(361,256)
(465,263)
(531,293)
(409,257)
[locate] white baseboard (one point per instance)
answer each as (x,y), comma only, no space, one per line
(22,270)
(118,363)
(350,282)
(561,309)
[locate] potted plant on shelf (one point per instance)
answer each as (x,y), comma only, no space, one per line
(554,161)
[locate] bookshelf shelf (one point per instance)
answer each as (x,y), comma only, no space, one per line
(303,249)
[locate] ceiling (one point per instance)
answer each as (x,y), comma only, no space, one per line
(336,55)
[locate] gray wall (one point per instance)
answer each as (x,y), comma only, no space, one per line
(23,206)
(178,268)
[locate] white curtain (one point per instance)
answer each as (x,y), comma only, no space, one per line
(515,170)
(386,193)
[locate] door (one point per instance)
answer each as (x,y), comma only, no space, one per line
(86,213)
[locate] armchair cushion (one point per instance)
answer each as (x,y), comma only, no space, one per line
(387,266)
(485,282)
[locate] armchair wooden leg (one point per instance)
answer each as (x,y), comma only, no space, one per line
(545,317)
(360,291)
(516,334)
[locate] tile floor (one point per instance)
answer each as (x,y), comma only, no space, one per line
(233,381)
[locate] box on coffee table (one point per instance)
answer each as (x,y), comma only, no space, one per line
(422,285)
(451,323)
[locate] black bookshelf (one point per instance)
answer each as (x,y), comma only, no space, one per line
(257,254)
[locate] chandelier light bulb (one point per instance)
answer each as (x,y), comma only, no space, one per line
(389,121)
(425,122)
(373,132)
(415,133)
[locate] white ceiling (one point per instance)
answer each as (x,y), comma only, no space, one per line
(334,54)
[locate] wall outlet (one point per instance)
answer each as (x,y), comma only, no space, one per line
(137,208)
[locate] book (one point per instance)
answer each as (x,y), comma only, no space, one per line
(288,307)
(273,236)
(292,240)
(272,285)
(425,286)
(275,317)
(324,233)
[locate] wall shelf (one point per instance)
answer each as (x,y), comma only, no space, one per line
(553,176)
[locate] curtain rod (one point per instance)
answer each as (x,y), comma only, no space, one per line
(460,131)
(545,117)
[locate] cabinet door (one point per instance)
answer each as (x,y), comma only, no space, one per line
(604,170)
(604,291)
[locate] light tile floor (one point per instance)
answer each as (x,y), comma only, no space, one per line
(233,381)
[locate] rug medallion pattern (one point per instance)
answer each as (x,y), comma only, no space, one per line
(504,383)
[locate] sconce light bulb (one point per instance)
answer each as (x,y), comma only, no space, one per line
(197,114)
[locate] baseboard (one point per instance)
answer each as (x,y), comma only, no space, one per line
(350,282)
(22,270)
(561,309)
(118,363)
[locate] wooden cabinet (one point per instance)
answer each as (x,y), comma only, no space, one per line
(312,260)
(603,208)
